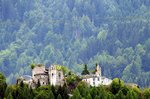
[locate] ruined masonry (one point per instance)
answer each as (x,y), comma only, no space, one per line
(44,76)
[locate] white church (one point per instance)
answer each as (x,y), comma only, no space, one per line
(96,78)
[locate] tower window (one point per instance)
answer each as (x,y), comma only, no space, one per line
(94,83)
(93,79)
(59,75)
(52,74)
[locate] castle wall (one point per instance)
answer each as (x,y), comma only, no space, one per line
(56,77)
(38,70)
(43,78)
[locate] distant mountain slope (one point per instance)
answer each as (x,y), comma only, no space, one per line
(113,33)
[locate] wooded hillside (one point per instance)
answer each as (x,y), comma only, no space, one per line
(113,33)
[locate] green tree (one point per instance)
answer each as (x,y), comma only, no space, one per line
(120,95)
(32,66)
(146,93)
(102,35)
(83,88)
(23,92)
(88,96)
(3,85)
(13,89)
(85,71)
(131,95)
(51,95)
(76,94)
(41,95)
(116,85)
(59,96)
(9,96)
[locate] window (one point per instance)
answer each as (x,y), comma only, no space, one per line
(98,78)
(52,74)
(59,75)
(94,83)
(93,79)
(43,83)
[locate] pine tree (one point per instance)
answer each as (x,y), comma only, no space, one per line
(9,96)
(85,71)
(129,95)
(59,96)
(120,95)
(21,84)
(3,85)
(146,93)
(76,94)
(116,85)
(88,96)
(51,95)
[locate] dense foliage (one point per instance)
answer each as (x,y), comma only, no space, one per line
(113,33)
(117,90)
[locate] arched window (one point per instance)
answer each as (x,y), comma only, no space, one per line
(59,75)
(98,78)
(93,79)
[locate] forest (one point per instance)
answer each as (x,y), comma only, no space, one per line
(117,90)
(113,33)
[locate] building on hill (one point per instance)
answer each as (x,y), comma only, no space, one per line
(98,70)
(56,75)
(40,75)
(25,78)
(96,78)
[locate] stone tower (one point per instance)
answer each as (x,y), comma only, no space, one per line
(38,69)
(39,73)
(56,75)
(98,70)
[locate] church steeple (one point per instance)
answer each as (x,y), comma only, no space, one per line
(98,70)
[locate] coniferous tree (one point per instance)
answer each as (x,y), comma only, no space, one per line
(9,96)
(3,85)
(88,96)
(76,94)
(51,95)
(21,84)
(129,95)
(59,96)
(85,71)
(116,85)
(120,95)
(54,91)
(146,93)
